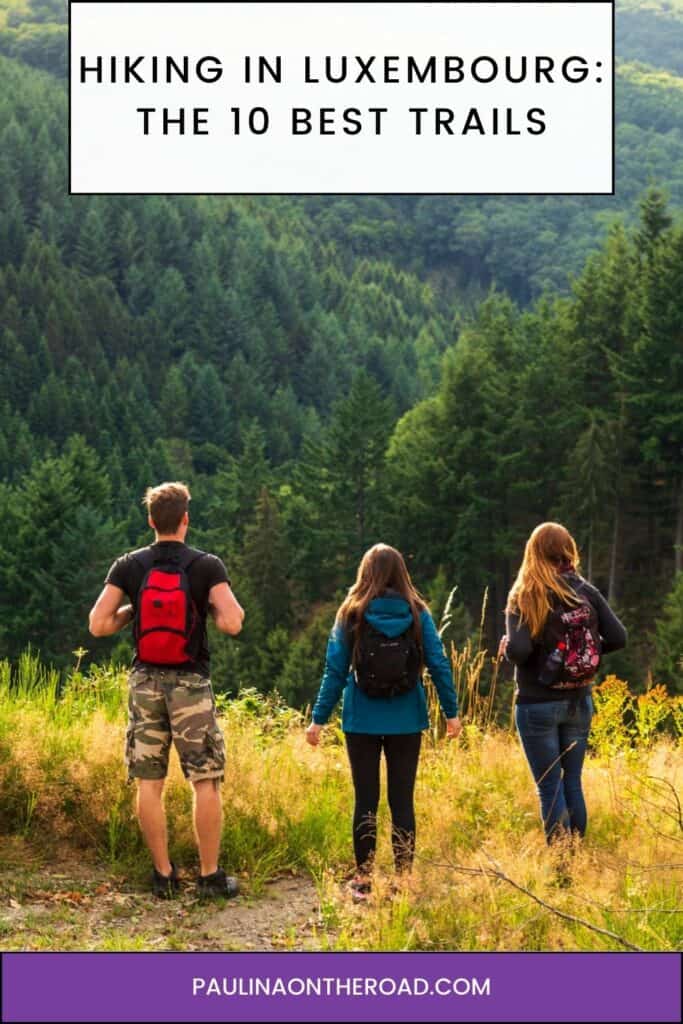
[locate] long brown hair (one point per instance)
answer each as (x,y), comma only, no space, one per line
(549,549)
(381,568)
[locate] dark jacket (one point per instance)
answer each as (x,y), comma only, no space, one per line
(528,654)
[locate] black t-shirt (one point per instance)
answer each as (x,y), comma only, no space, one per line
(203,574)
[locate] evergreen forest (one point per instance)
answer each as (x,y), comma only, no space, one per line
(439,373)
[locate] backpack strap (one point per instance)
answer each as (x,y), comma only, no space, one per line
(145,558)
(581,590)
(187,558)
(350,634)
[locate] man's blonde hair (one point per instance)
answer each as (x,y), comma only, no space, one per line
(166,505)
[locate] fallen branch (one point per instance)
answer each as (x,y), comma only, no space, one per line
(497,872)
(619,863)
(679,810)
(644,818)
(628,910)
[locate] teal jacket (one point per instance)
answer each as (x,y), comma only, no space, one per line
(407,713)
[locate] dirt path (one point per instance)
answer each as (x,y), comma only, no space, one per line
(76,906)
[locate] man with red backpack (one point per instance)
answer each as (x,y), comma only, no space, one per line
(172,588)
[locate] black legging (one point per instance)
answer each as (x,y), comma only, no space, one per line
(402,753)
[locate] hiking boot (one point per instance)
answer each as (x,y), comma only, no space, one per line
(165,886)
(218,884)
(360,887)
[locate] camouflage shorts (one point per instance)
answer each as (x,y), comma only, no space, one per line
(167,704)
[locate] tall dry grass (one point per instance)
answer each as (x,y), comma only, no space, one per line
(483,878)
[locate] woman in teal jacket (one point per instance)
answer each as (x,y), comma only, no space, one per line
(384,602)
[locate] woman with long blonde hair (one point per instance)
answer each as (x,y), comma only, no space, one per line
(558,626)
(382,639)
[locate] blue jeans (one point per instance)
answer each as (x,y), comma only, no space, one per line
(554,735)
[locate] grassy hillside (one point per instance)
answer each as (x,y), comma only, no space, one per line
(484,878)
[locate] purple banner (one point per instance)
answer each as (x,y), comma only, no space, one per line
(341,986)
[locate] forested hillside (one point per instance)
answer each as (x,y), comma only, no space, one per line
(463,245)
(328,372)
(651,31)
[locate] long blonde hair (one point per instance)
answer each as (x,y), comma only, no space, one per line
(550,549)
(382,568)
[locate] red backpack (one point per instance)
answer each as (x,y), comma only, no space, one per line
(166,618)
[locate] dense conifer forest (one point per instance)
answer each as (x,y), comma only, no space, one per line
(441,373)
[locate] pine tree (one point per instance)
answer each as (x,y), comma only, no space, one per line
(668,663)
(265,561)
(356,443)
(174,405)
(209,417)
(94,255)
(61,543)
(13,229)
(655,221)
(127,249)
(173,307)
(656,374)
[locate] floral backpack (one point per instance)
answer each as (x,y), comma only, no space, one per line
(572,639)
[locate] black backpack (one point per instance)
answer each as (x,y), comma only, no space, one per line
(387,666)
(573,631)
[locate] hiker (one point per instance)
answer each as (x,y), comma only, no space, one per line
(171,588)
(558,626)
(382,639)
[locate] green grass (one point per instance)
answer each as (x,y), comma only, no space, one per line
(482,865)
